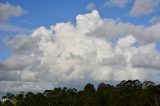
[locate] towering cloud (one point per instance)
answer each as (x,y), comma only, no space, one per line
(92,49)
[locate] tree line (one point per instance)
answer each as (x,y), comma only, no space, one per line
(125,93)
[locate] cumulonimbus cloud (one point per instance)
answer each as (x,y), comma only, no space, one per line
(92,49)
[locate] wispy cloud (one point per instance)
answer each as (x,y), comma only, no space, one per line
(155,20)
(119,3)
(144,7)
(139,8)
(7,10)
(4,27)
(90,6)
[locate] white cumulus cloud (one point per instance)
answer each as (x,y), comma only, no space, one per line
(68,54)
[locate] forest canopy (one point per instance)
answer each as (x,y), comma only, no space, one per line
(125,93)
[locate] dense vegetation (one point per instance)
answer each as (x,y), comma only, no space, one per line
(126,93)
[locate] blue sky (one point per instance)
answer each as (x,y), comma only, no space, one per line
(72,42)
(38,14)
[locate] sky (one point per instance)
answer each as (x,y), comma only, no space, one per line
(51,43)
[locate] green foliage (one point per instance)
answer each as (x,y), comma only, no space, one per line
(126,93)
(8,103)
(0,103)
(89,89)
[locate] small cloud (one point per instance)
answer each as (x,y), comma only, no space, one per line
(139,8)
(119,3)
(144,7)
(155,20)
(90,6)
(7,10)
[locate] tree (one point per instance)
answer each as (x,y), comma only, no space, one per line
(41,99)
(148,84)
(47,92)
(89,88)
(8,103)
(103,86)
(30,99)
(0,103)
(129,85)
